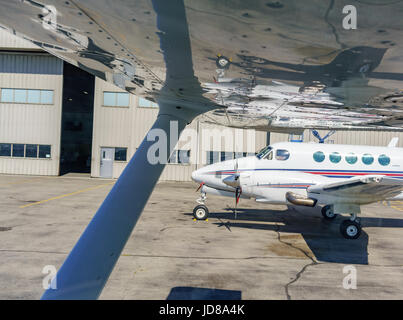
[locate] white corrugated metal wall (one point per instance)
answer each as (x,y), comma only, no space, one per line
(367,137)
(26,123)
(127,126)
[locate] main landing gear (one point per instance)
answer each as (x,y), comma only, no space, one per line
(328,213)
(349,228)
(200,212)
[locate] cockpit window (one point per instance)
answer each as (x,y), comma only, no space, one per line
(282,154)
(264,152)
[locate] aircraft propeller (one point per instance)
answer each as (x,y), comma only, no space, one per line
(238,189)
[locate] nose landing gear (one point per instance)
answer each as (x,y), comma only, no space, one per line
(200,212)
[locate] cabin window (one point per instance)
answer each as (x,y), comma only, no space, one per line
(351,158)
(367,159)
(383,160)
(282,154)
(319,156)
(335,157)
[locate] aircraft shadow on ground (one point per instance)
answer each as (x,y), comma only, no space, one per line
(195,293)
(322,237)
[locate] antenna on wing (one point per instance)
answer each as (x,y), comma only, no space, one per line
(322,140)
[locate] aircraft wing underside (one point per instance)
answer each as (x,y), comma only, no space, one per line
(268,65)
(374,187)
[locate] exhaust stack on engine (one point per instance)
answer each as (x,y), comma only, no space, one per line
(300,200)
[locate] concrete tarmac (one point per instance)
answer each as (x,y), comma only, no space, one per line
(267,252)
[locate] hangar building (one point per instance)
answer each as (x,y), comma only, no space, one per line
(56,119)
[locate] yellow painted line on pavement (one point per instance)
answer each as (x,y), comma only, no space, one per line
(67,194)
(393,204)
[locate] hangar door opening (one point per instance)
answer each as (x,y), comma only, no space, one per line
(77,120)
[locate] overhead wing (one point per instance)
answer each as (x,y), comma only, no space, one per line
(368,188)
(269,74)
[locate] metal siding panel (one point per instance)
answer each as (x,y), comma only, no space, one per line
(25,123)
(30,63)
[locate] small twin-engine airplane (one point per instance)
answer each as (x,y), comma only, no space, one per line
(340,178)
(278,77)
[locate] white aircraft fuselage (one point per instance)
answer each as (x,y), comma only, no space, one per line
(341,177)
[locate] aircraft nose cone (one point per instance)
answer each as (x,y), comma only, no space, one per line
(195,176)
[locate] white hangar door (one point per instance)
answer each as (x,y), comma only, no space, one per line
(106,169)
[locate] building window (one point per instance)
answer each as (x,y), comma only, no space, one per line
(184,156)
(5,149)
(292,137)
(216,156)
(120,154)
(46,96)
(30,96)
(226,155)
(31,151)
(20,96)
(172,158)
(319,156)
(20,150)
(179,157)
(238,155)
(116,99)
(282,154)
(44,151)
(34,96)
(144,103)
(383,160)
(367,159)
(212,157)
(7,95)
(351,158)
(335,157)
